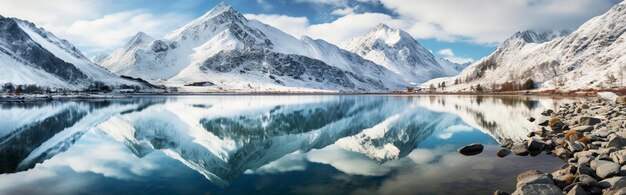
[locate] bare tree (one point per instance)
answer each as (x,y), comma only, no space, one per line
(611,79)
(555,77)
(622,69)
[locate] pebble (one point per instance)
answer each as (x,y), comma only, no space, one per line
(590,137)
(503,152)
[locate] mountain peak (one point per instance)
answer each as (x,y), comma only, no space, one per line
(533,36)
(219,9)
(139,39)
(221,14)
(382,26)
(389,35)
(223,4)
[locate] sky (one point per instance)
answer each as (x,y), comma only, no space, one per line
(458,30)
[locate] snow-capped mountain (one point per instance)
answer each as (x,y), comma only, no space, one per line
(99,58)
(399,52)
(32,55)
(591,56)
(31,134)
(225,50)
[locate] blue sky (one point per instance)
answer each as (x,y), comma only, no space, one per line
(459,30)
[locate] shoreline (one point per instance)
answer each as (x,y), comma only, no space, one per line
(589,136)
(583,93)
(111,96)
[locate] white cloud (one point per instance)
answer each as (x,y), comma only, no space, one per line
(342,29)
(337,2)
(87,23)
(50,12)
(108,158)
(491,21)
(290,162)
(343,12)
(348,162)
(296,26)
(451,130)
(94,26)
(449,55)
(446,52)
(111,31)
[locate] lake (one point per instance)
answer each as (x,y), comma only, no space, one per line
(267,144)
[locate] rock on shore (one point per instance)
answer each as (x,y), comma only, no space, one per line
(591,139)
(472,149)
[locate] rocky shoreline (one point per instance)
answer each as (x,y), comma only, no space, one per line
(589,136)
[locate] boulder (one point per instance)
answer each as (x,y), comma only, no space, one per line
(573,135)
(610,182)
(500,192)
(607,150)
(577,190)
(585,160)
(584,170)
(621,100)
(616,141)
(584,106)
(563,180)
(535,144)
(596,163)
(524,175)
(535,179)
(619,157)
(520,149)
(586,181)
(618,191)
(507,143)
(544,123)
(608,96)
(585,153)
(503,152)
(608,170)
(531,119)
(547,112)
(585,120)
(584,128)
(543,189)
(574,146)
(558,126)
(562,152)
(472,149)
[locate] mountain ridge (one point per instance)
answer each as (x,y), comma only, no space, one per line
(33,56)
(226,51)
(399,52)
(589,57)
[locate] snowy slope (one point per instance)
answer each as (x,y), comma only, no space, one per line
(31,55)
(589,57)
(399,52)
(223,50)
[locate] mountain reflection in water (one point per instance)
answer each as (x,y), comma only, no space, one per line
(274,144)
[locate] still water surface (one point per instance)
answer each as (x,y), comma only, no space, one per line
(247,144)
